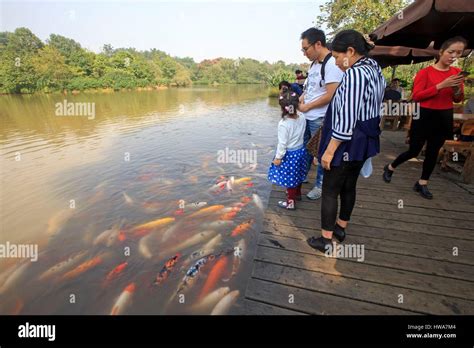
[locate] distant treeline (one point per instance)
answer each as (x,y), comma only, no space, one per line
(28,65)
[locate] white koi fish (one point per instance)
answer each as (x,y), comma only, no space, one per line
(224,305)
(211,299)
(123,300)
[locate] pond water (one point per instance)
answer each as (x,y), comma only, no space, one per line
(137,202)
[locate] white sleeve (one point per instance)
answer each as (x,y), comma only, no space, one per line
(332,73)
(283,134)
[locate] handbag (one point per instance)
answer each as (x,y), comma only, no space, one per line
(313,143)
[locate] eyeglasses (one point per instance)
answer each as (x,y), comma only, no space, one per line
(304,49)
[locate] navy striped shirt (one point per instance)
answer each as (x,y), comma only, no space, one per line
(358,97)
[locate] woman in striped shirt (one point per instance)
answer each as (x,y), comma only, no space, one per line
(350,133)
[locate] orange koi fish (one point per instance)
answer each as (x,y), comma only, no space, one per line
(214,276)
(243,227)
(116,272)
(208,210)
(82,268)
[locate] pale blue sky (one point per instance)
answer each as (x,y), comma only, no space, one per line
(261,29)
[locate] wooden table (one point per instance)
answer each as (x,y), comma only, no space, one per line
(462,147)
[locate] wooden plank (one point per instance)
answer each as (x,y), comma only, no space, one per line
(374,233)
(407,202)
(384,207)
(373,222)
(414,198)
(405,184)
(250,307)
(305,209)
(379,258)
(312,302)
(364,271)
(413,300)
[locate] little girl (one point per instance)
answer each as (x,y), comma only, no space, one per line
(289,167)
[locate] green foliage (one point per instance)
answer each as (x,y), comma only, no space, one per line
(278,76)
(51,69)
(361,15)
(27,65)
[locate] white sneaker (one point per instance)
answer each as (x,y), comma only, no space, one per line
(314,194)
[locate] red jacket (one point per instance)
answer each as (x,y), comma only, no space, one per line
(426,93)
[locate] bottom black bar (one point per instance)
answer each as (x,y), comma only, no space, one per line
(287,330)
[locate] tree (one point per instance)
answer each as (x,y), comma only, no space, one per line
(51,68)
(108,50)
(80,60)
(361,15)
(17,73)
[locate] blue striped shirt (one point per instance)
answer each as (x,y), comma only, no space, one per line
(358,97)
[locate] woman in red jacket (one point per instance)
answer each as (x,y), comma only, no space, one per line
(435,88)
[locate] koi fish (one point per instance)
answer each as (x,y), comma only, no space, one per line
(214,276)
(166,270)
(13,277)
(228,216)
(207,249)
(210,300)
(169,232)
(242,180)
(243,227)
(207,211)
(123,300)
(115,273)
(258,202)
(57,221)
(152,207)
(239,254)
(63,265)
(230,184)
(224,305)
(192,273)
(243,202)
(122,236)
(108,237)
(143,229)
(127,199)
(196,239)
(82,268)
(217,225)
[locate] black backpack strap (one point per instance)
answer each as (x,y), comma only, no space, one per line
(323,68)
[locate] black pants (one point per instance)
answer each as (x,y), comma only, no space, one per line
(340,182)
(433,128)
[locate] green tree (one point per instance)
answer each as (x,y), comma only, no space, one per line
(50,67)
(80,60)
(361,15)
(17,73)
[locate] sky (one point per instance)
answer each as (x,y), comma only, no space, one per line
(260,29)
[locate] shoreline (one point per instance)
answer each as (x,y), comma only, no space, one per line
(136,89)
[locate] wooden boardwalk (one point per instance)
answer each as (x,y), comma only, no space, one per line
(408,268)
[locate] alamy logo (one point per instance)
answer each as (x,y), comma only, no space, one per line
(27,251)
(237,156)
(75,109)
(37,331)
(348,251)
(390,108)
